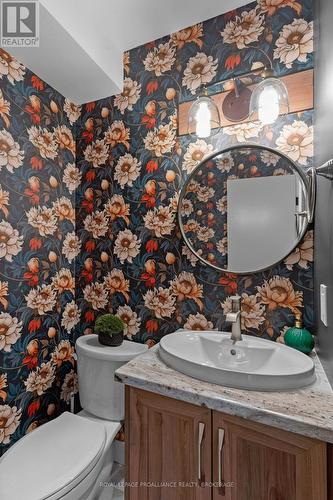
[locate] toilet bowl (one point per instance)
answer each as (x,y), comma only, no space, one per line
(71,457)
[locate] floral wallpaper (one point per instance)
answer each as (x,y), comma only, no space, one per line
(120,163)
(38,177)
(133,261)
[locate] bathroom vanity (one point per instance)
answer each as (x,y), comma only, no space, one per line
(194,430)
(188,439)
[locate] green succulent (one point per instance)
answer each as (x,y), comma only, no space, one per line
(109,324)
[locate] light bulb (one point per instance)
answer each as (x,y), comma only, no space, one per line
(268,105)
(203,117)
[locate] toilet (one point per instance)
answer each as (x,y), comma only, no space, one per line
(72,456)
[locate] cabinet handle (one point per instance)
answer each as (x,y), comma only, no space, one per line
(220,448)
(200,438)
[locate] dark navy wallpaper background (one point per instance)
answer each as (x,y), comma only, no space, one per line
(124,177)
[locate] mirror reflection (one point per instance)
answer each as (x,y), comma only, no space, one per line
(244,209)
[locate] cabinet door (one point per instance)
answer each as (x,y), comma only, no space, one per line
(256,462)
(168,442)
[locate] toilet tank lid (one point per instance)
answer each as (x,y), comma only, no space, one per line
(51,458)
(90,346)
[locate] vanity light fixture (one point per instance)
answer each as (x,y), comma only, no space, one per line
(269,99)
(203,117)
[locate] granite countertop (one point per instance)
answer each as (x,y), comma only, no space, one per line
(307,411)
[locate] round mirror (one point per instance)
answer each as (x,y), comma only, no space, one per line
(244,209)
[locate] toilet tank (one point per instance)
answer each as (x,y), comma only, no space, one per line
(99,393)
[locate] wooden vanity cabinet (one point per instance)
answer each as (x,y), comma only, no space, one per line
(179,451)
(168,448)
(264,463)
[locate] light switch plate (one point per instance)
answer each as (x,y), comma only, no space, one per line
(323,304)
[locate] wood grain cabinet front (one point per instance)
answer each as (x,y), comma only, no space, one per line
(179,451)
(257,462)
(168,448)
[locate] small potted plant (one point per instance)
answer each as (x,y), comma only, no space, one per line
(110,330)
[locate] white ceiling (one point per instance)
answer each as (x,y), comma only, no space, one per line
(82,41)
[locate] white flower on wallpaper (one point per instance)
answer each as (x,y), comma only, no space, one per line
(303,254)
(116,134)
(188,35)
(41,299)
(205,233)
(63,281)
(295,42)
(116,208)
(71,246)
(70,386)
(186,207)
(279,292)
(43,219)
(11,67)
(198,322)
(64,209)
(131,320)
(129,96)
(221,204)
(10,420)
(97,153)
(296,141)
(97,224)
(161,140)
(222,245)
(185,286)
(115,282)
(225,162)
(244,131)
(271,6)
(127,246)
(244,29)
(41,379)
(127,170)
(10,154)
(72,111)
(161,301)
(96,294)
(72,177)
(45,141)
(205,193)
(63,352)
(10,331)
(70,316)
(200,70)
(10,241)
(64,138)
(160,220)
(195,153)
(269,158)
(160,59)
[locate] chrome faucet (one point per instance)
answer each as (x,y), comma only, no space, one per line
(234,317)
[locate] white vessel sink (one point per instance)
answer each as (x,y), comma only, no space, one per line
(252,363)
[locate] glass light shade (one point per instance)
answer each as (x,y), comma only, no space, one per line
(203,118)
(269,100)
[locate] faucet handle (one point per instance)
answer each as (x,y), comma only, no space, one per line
(235,303)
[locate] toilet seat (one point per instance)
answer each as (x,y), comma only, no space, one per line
(62,453)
